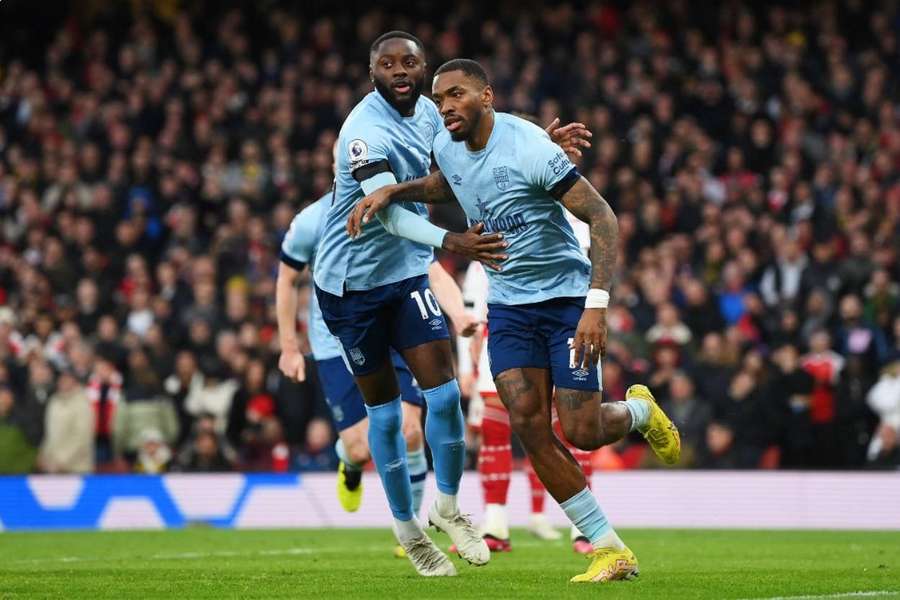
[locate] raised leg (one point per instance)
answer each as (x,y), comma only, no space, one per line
(587,422)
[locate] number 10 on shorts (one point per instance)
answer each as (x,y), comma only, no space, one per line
(429,301)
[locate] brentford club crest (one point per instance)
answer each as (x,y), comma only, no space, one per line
(501,178)
(357,356)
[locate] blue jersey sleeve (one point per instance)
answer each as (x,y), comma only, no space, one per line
(367,147)
(299,245)
(546,165)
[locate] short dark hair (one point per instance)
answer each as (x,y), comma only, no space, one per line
(470,67)
(390,35)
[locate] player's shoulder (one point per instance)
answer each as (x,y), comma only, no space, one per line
(521,128)
(321,205)
(442,142)
(531,144)
(426,104)
(309,218)
(364,119)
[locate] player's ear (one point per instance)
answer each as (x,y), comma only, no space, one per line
(487,96)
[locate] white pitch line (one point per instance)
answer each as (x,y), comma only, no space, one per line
(176,556)
(373,549)
(861,594)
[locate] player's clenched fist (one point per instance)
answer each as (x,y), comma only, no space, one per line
(590,337)
(293,365)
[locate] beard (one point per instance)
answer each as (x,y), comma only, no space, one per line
(469,125)
(460,135)
(402,104)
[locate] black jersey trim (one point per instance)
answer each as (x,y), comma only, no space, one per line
(565,184)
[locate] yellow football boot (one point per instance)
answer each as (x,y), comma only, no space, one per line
(349,499)
(609,564)
(659,431)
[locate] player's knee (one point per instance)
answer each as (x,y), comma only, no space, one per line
(528,425)
(358,451)
(583,435)
(412,433)
(443,399)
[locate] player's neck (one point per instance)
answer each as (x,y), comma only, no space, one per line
(405,111)
(479,138)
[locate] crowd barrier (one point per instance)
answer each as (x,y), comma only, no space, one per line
(765,499)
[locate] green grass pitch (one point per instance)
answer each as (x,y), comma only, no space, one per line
(211,563)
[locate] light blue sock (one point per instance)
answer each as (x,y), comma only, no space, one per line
(585,513)
(341,452)
(418,471)
(640,412)
(389,453)
(445,432)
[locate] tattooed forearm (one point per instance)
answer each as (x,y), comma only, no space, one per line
(431,189)
(587,204)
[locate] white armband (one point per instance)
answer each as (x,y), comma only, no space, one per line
(407,224)
(401,222)
(597,299)
(379,180)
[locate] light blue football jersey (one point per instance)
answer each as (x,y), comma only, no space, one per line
(374,131)
(506,186)
(299,246)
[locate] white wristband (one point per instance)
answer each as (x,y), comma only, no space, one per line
(597,299)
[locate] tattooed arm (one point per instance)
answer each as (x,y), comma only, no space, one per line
(587,204)
(431,189)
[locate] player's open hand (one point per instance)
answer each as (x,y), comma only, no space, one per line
(366,208)
(486,248)
(571,138)
(293,365)
(590,337)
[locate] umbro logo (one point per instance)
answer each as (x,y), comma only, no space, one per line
(456,179)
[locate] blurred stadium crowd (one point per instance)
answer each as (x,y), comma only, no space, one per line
(152,157)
